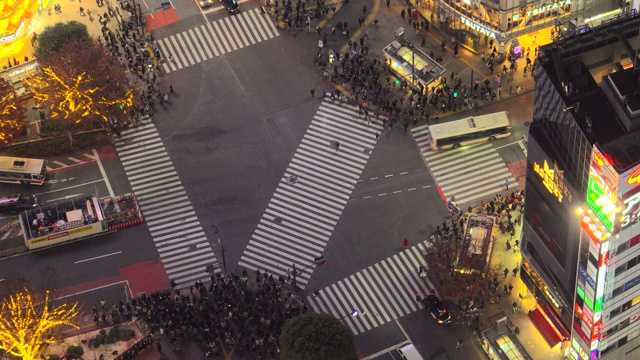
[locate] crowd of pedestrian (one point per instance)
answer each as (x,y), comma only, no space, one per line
(232,311)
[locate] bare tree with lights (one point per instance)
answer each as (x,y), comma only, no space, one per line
(27,325)
(83,83)
(12,113)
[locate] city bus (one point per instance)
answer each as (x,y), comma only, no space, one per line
(22,170)
(468,131)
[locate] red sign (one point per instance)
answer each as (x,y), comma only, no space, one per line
(604,259)
(595,333)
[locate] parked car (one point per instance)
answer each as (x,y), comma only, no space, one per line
(205,3)
(13,204)
(437,310)
(231,6)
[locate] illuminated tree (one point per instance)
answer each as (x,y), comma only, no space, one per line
(318,337)
(83,83)
(27,325)
(12,113)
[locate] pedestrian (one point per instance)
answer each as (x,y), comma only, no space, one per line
(510,289)
(82,11)
(517,242)
(506,272)
(364,9)
(171,91)
(388,3)
(405,124)
(515,271)
(316,293)
(313,92)
(508,245)
(506,182)
(377,136)
(406,243)
(159,346)
(337,145)
(402,14)
(460,343)
(423,42)
(102,303)
(516,331)
(515,306)
(506,290)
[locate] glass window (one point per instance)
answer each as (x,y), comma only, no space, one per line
(617,291)
(615,312)
(620,269)
(632,263)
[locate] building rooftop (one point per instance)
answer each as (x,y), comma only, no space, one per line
(413,60)
(601,88)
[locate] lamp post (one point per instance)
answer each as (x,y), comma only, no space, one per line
(317,261)
(353,314)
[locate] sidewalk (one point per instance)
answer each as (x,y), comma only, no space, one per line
(70,10)
(529,336)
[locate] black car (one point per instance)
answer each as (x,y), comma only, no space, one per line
(437,310)
(12,204)
(231,6)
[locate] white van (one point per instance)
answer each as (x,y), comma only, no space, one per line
(409,352)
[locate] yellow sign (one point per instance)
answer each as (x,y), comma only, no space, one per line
(553,180)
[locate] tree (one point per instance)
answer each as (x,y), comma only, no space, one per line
(54,38)
(459,279)
(314,336)
(12,113)
(82,83)
(27,325)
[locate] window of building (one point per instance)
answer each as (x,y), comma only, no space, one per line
(622,248)
(617,291)
(615,312)
(624,324)
(632,263)
(622,341)
(626,306)
(634,241)
(620,270)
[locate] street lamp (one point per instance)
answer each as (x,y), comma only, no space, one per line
(353,314)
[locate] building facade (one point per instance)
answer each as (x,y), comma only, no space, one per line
(583,194)
(482,24)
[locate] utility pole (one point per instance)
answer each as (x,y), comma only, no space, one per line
(216,230)
(317,261)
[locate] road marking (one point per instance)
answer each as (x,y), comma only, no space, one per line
(383,194)
(395,192)
(125,282)
(402,329)
(70,187)
(373,178)
(367,197)
(64,198)
(404,173)
(412,189)
(509,144)
(104,174)
(98,257)
(426,186)
(75,160)
(1,280)
(390,175)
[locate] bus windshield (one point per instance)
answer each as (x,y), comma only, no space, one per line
(468,131)
(22,170)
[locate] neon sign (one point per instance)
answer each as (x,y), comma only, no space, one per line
(600,199)
(549,7)
(481,29)
(553,180)
(634,178)
(630,213)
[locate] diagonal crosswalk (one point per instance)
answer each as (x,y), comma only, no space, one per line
(216,38)
(313,192)
(380,293)
(470,173)
(172,221)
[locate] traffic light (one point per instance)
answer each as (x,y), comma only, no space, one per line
(320,260)
(121,106)
(397,81)
(455,94)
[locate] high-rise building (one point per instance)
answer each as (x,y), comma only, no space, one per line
(580,229)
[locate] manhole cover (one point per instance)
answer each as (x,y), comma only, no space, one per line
(278,220)
(292,179)
(527,123)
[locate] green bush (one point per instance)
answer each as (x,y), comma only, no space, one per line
(103,332)
(127,334)
(114,333)
(53,357)
(75,350)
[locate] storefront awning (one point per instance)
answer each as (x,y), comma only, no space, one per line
(544,327)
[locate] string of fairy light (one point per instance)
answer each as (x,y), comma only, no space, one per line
(27,326)
(73,97)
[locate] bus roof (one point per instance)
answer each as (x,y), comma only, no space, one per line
(21,165)
(470,124)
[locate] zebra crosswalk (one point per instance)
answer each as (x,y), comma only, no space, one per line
(215,38)
(380,293)
(176,231)
(470,173)
(314,190)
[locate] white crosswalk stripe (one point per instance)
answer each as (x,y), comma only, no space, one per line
(173,224)
(315,188)
(469,173)
(216,38)
(380,293)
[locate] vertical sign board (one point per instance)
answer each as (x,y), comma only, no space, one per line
(602,189)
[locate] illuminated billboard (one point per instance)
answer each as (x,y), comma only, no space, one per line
(602,189)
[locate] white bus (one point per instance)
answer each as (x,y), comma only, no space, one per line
(22,170)
(468,131)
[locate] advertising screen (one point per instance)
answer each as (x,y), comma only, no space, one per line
(602,189)
(550,224)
